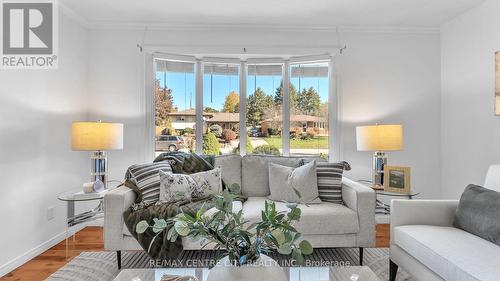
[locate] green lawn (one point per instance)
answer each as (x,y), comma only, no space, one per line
(317,142)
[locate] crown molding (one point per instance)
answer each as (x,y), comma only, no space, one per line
(389,29)
(151,26)
(322,28)
(70,13)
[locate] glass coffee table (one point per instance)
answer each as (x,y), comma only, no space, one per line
(335,273)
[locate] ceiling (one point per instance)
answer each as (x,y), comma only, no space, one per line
(381,13)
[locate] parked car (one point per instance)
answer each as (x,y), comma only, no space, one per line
(170,143)
(254,132)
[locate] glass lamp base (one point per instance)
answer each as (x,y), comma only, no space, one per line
(379,163)
(99,167)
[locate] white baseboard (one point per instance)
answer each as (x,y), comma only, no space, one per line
(29,255)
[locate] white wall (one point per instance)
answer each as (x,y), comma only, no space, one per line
(36,111)
(394,79)
(470,135)
(387,78)
(116,92)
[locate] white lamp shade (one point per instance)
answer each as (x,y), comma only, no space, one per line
(96,136)
(379,137)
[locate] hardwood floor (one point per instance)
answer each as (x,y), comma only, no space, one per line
(383,235)
(41,267)
(90,239)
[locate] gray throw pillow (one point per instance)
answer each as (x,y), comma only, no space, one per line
(283,180)
(230,167)
(478,213)
(330,181)
(145,179)
(255,172)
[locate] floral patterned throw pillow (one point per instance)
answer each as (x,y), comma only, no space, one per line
(174,187)
(209,180)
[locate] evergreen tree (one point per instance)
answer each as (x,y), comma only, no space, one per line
(278,97)
(257,104)
(211,145)
(308,101)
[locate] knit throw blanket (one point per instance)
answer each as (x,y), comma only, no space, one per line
(187,163)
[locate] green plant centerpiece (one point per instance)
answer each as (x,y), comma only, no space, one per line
(240,240)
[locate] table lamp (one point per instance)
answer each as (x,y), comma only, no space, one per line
(379,138)
(97,137)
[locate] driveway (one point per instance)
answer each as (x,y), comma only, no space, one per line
(256,142)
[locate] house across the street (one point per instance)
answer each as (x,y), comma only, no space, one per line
(300,121)
(225,119)
(184,119)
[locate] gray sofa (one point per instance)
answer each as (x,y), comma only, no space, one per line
(426,245)
(324,225)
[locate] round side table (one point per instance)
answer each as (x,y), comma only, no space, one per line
(385,209)
(381,207)
(72,219)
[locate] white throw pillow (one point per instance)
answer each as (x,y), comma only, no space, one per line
(209,180)
(283,180)
(174,187)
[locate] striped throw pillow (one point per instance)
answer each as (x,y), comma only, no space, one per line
(330,181)
(146,177)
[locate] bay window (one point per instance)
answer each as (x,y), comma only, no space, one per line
(268,106)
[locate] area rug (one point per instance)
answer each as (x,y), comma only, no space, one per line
(102,265)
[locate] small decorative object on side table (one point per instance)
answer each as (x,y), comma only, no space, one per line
(74,196)
(397,179)
(381,207)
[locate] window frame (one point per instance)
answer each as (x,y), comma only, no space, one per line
(285,64)
(334,101)
(242,120)
(334,144)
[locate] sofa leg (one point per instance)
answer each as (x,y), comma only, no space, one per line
(119,259)
(361,251)
(393,270)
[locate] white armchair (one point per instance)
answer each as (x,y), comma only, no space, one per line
(425,243)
